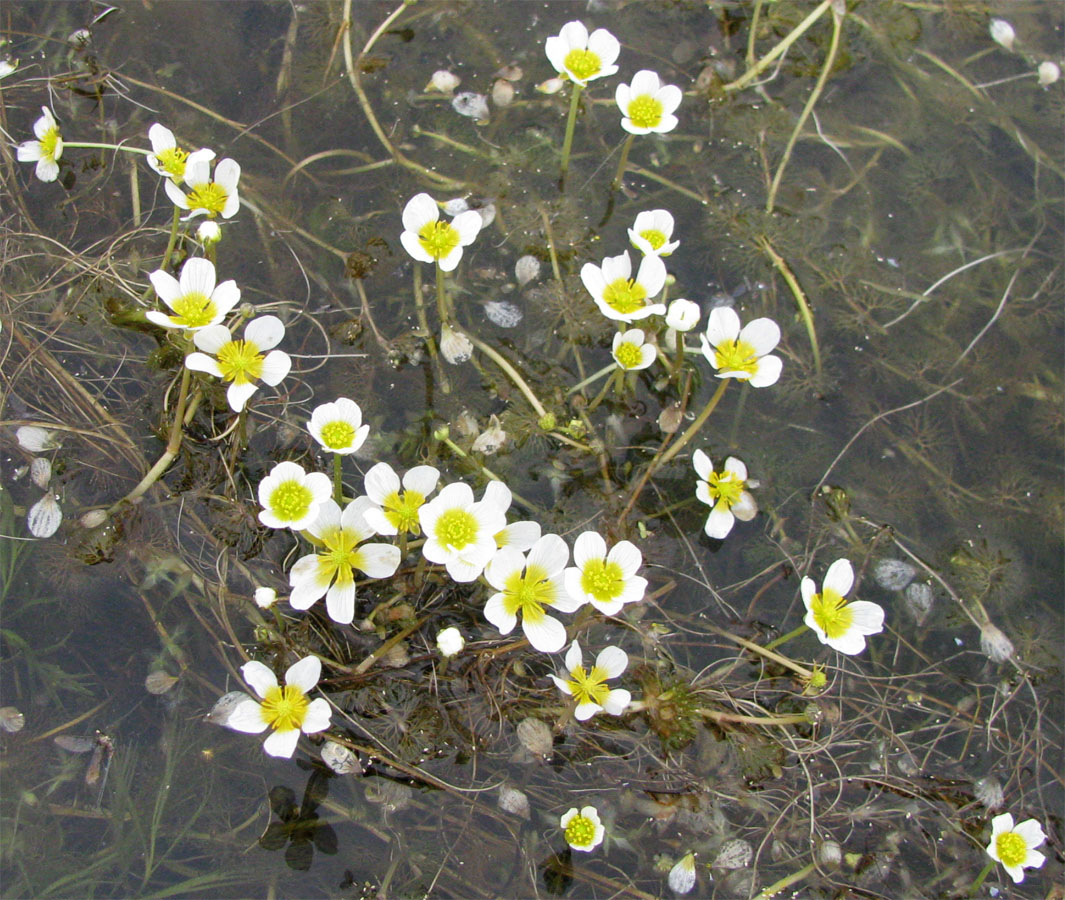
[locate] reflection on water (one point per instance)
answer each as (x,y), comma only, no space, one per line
(916,430)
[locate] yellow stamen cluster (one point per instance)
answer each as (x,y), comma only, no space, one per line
(736,356)
(240,362)
(831,613)
(194,310)
(438,239)
(645,111)
(625,295)
(628,355)
(583,63)
(603,580)
(284,708)
(337,435)
(290,501)
(456,528)
(1011,848)
(726,487)
(528,593)
(210,197)
(589,687)
(580,832)
(401,509)
(653,236)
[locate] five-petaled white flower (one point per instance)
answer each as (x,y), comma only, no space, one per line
(46,150)
(631,352)
(605,580)
(648,105)
(397,503)
(338,426)
(428,238)
(194,298)
(651,233)
(529,585)
(841,625)
(1014,845)
(618,295)
(331,571)
(207,196)
(242,362)
(725,492)
(290,497)
(285,709)
(581,57)
(582,828)
(742,353)
(167,159)
(460,532)
(588,688)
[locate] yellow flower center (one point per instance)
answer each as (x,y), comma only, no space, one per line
(603,580)
(457,528)
(49,143)
(194,310)
(1011,848)
(401,509)
(654,237)
(736,356)
(210,197)
(172,161)
(290,501)
(645,111)
(339,558)
(240,362)
(624,295)
(831,613)
(528,593)
(337,435)
(726,487)
(580,832)
(588,687)
(284,708)
(628,355)
(438,238)
(582,64)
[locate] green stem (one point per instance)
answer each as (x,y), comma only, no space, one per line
(488,473)
(90,146)
(693,429)
(511,373)
(172,241)
(442,308)
(780,49)
(423,324)
(606,370)
(980,878)
(777,886)
(784,638)
(800,298)
(623,163)
(338,479)
(571,123)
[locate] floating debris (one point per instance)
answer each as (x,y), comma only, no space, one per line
(893,574)
(36,439)
(159,682)
(503,313)
(471,105)
(734,854)
(11,719)
(45,516)
(340,759)
(513,801)
(526,269)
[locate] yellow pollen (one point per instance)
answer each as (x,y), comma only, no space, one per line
(284,708)
(588,687)
(194,310)
(457,528)
(645,111)
(402,510)
(603,580)
(1012,849)
(654,237)
(582,64)
(628,355)
(438,239)
(580,832)
(736,356)
(831,613)
(172,161)
(49,143)
(290,501)
(337,435)
(210,197)
(625,295)
(240,362)
(725,486)
(528,593)
(340,557)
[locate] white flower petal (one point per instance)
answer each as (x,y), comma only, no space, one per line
(839,577)
(247,716)
(258,676)
(305,673)
(317,716)
(548,635)
(613,661)
(282,743)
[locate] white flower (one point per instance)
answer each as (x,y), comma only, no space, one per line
(841,625)
(7,66)
(588,688)
(45,516)
(46,150)
(518,535)
(551,85)
(338,426)
(167,158)
(428,239)
(331,571)
(286,710)
(1002,33)
(194,298)
(265,597)
(725,492)
(459,532)
(742,353)
(443,81)
(631,352)
(605,580)
(529,585)
(1014,846)
(449,642)
(242,362)
(207,196)
(682,315)
(648,105)
(455,346)
(290,497)
(581,57)
(1048,72)
(36,439)
(209,233)
(491,439)
(583,830)
(618,295)
(682,875)
(397,503)
(651,233)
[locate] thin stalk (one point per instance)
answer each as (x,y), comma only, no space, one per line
(511,373)
(338,479)
(777,886)
(800,298)
(567,143)
(767,650)
(780,49)
(830,59)
(442,308)
(784,638)
(693,429)
(90,146)
(488,473)
(975,886)
(591,379)
(623,163)
(423,324)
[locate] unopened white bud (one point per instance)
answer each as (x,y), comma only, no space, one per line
(1049,72)
(1002,33)
(443,81)
(449,642)
(682,315)
(209,233)
(265,597)
(831,853)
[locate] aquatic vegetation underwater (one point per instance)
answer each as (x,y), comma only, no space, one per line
(603,451)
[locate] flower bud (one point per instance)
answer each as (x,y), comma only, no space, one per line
(449,642)
(443,81)
(1049,72)
(1002,33)
(265,597)
(682,315)
(209,233)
